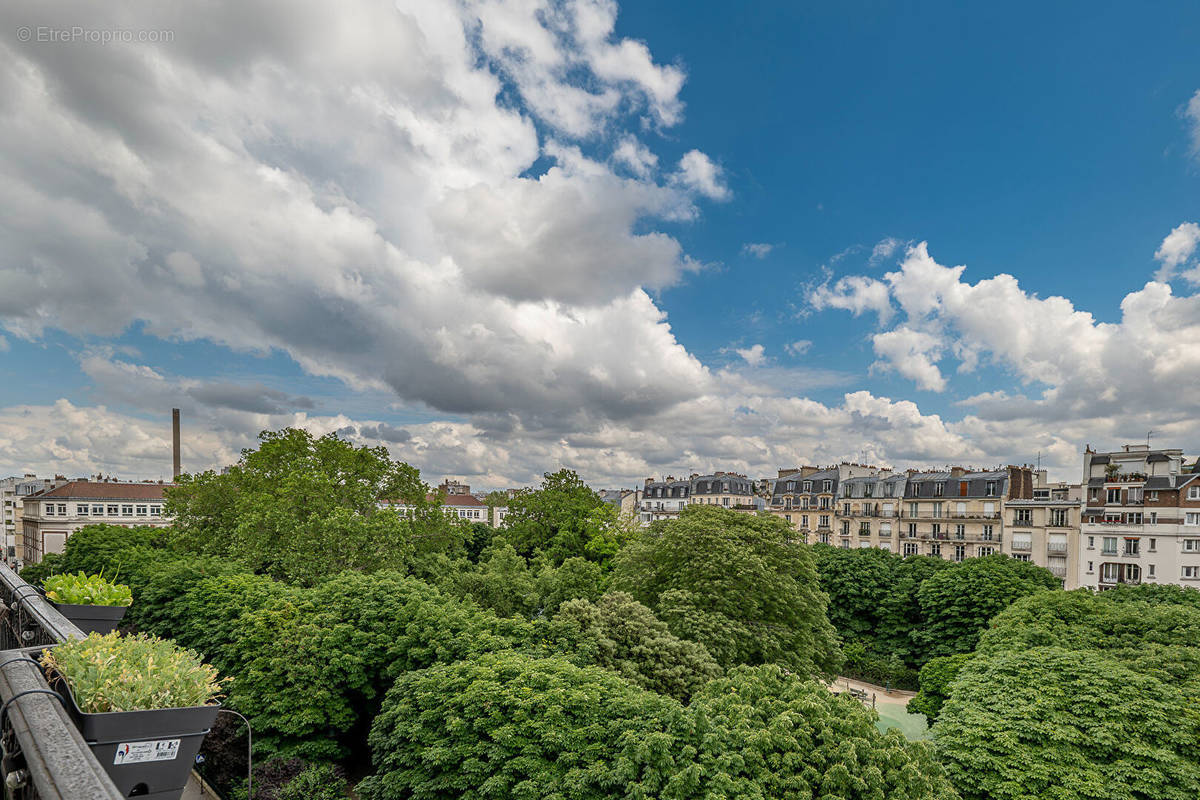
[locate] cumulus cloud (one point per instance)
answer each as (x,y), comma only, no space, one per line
(753,355)
(1176,250)
(798,347)
(1075,368)
(363,187)
(699,173)
(759,250)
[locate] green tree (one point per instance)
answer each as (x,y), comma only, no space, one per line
(300,508)
(575,578)
(737,584)
(501,582)
(622,635)
(857,582)
(560,518)
(958,603)
(935,679)
(762,732)
(508,725)
(1057,723)
(322,660)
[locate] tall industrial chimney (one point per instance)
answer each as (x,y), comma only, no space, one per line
(175,442)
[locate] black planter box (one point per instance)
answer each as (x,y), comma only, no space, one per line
(149,752)
(92,619)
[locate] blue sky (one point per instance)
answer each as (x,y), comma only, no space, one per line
(456,247)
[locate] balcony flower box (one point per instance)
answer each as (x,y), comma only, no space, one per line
(92,602)
(108,680)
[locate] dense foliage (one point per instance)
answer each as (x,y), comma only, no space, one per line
(737,584)
(935,679)
(560,519)
(1094,695)
(622,635)
(896,613)
(507,725)
(301,508)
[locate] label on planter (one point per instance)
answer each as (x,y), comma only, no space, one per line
(142,752)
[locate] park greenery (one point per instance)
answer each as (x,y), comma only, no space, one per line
(573,654)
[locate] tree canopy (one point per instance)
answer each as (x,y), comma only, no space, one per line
(1072,694)
(560,519)
(957,604)
(735,583)
(300,508)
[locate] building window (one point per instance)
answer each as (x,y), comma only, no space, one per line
(114,511)
(988,533)
(97,511)
(804,520)
(1194,493)
(864,528)
(935,549)
(81,510)
(845,527)
(939,489)
(1190,573)
(1152,496)
(913,508)
(937,529)
(62,509)
(1091,543)
(1134,495)
(155,511)
(991,488)
(1134,518)
(1191,518)
(824,537)
(1090,570)
(1059,517)
(1114,496)
(912,530)
(1109,546)
(1023,516)
(724,501)
(824,520)
(1191,545)
(868,489)
(937,510)
(960,552)
(808,486)
(141,511)
(1131,547)
(827,486)
(986,551)
(1150,570)
(960,531)
(1021,556)
(126,511)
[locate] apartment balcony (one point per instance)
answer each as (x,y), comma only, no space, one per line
(1056,549)
(1021,547)
(973,515)
(1058,572)
(44,755)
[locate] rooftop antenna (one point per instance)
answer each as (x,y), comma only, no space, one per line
(1148,434)
(1039,466)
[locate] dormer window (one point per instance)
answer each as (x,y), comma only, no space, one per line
(827,486)
(939,488)
(807,486)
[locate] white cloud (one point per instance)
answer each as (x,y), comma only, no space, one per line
(754,355)
(1077,368)
(699,173)
(1175,251)
(885,249)
(798,347)
(759,250)
(351,184)
(1191,113)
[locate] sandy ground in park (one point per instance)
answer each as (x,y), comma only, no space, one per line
(894,697)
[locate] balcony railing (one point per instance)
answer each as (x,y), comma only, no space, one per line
(44,754)
(1058,572)
(1056,548)
(1022,546)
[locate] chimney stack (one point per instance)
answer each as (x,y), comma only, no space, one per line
(175,442)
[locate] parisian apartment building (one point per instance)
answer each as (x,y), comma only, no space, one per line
(49,516)
(1141,518)
(13,491)
(662,500)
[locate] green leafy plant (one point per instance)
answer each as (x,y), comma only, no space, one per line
(132,673)
(86,590)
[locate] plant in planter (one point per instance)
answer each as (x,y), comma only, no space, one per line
(94,603)
(142,704)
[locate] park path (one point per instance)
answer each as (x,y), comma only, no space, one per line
(897,697)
